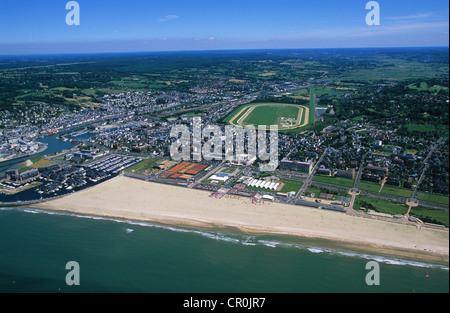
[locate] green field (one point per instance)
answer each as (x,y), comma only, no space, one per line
(286,116)
(369,186)
(380,205)
(389,207)
(425,196)
(430,216)
(389,190)
(291,185)
(143,167)
(270,115)
(396,191)
(334,180)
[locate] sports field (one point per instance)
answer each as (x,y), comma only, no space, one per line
(286,116)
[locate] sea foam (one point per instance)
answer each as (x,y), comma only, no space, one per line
(244,240)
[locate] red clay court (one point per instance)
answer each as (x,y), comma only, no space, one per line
(184,170)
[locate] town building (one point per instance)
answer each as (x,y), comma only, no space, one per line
(298,166)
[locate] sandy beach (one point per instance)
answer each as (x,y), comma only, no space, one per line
(133,199)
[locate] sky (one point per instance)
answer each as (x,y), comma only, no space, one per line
(39,27)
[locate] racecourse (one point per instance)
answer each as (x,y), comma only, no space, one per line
(270,114)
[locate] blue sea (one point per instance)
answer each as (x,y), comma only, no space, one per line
(122,256)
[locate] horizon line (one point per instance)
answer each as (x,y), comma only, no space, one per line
(212,50)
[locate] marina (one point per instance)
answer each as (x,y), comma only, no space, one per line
(59,179)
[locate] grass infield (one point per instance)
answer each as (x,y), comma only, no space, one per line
(286,116)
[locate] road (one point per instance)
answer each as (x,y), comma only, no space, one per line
(427,165)
(355,190)
(310,176)
(358,177)
(210,173)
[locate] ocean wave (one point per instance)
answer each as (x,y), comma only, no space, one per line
(31,211)
(315,250)
(402,262)
(379,259)
(249,241)
(271,244)
(245,240)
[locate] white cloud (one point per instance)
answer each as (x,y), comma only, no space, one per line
(415,26)
(168,18)
(359,32)
(411,17)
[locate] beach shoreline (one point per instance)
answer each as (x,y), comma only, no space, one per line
(136,200)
